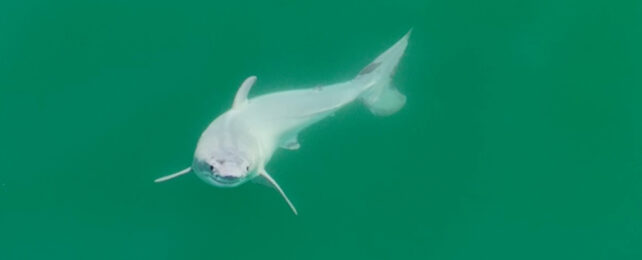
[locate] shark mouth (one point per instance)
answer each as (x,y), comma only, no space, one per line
(225,179)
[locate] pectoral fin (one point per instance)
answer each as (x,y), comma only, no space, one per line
(272,182)
(174,175)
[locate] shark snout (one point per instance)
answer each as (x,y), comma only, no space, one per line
(227,175)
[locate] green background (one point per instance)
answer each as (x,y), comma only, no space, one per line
(521,137)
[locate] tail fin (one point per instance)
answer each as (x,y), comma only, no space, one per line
(382,98)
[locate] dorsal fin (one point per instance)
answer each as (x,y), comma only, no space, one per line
(241,94)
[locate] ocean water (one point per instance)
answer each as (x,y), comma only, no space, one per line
(521,137)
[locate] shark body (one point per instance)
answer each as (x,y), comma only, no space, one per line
(237,145)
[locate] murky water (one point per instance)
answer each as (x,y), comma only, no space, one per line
(520,138)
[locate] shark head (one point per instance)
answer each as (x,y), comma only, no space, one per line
(223,169)
(229,154)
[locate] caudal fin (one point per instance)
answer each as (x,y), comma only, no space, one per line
(382,98)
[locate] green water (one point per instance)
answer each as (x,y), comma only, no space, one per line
(521,137)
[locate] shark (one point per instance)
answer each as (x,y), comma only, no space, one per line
(236,147)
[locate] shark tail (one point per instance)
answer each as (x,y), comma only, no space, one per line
(381,97)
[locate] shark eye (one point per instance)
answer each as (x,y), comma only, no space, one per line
(247,168)
(211,167)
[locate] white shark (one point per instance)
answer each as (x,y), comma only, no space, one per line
(238,144)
